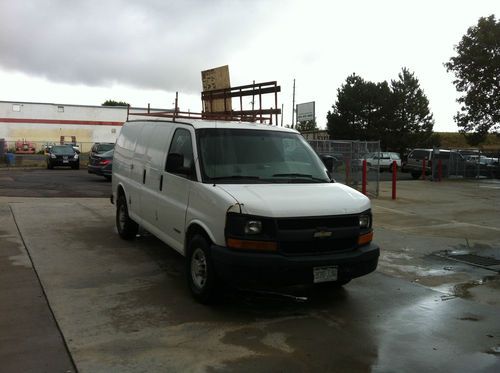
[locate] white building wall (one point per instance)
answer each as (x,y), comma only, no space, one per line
(46,122)
(41,122)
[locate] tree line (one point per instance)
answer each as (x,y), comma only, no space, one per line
(396,113)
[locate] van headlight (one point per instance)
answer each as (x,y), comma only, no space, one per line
(365,228)
(253,227)
(365,220)
(247,232)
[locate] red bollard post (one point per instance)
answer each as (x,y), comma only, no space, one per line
(423,169)
(363,185)
(440,170)
(394,178)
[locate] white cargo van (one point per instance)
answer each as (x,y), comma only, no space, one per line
(245,203)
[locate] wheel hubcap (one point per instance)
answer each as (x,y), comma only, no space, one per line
(199,268)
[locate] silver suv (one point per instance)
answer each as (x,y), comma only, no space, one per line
(449,158)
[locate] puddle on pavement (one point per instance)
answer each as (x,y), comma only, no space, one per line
(454,279)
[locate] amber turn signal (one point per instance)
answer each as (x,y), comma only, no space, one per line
(365,238)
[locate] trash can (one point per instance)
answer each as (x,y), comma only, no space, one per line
(11,159)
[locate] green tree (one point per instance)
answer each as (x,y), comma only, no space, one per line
(114,103)
(309,125)
(398,115)
(360,110)
(477,71)
(412,122)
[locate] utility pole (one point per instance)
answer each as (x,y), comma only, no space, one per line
(293,105)
(281,115)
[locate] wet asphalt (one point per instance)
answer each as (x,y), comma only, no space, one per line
(110,305)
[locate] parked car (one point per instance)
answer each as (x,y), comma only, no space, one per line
(62,155)
(99,148)
(101,164)
(449,159)
(383,160)
(245,204)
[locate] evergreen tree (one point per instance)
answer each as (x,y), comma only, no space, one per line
(360,110)
(412,121)
(398,115)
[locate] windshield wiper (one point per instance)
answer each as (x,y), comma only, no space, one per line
(301,176)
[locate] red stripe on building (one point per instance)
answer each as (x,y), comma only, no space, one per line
(57,121)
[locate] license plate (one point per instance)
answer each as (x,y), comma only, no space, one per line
(325,274)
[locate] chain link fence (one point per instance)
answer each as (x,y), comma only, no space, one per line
(348,159)
(465,163)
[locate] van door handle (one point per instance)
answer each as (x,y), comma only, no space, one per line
(144,177)
(132,166)
(161,183)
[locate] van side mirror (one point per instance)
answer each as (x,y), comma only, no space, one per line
(175,163)
(328,161)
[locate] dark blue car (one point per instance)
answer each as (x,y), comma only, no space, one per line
(102,164)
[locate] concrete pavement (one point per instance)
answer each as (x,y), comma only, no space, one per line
(30,340)
(124,306)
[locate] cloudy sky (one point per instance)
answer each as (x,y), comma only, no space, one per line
(88,51)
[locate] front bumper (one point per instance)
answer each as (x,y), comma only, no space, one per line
(279,270)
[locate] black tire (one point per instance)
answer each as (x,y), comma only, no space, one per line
(200,271)
(76,166)
(415,175)
(127,228)
(107,177)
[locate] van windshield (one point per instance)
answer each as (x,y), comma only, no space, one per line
(257,156)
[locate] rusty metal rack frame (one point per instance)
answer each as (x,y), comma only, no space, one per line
(256,89)
(208,98)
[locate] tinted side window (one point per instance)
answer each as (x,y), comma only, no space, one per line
(182,144)
(419,154)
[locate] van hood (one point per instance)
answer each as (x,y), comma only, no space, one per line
(293,200)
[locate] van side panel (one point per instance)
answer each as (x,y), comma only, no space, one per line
(123,158)
(156,154)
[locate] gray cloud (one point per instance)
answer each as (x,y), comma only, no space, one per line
(151,44)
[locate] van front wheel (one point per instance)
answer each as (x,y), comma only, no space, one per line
(200,270)
(127,228)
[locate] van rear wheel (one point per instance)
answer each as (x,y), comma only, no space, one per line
(127,228)
(200,271)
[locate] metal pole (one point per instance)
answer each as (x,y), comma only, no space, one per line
(363,178)
(394,178)
(293,105)
(281,116)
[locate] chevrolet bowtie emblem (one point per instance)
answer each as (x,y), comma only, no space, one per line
(322,234)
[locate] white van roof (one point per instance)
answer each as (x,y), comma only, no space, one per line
(200,124)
